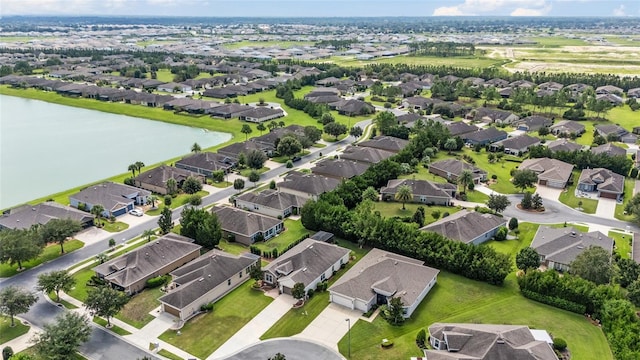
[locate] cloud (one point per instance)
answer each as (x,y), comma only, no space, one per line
(619,11)
(496,7)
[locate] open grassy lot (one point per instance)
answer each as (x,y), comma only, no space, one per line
(392,208)
(622,243)
(569,198)
(293,231)
(7,332)
(136,311)
(49,253)
(116,329)
(296,320)
(557,41)
(457,299)
(181,199)
(232,247)
(458,61)
(203,334)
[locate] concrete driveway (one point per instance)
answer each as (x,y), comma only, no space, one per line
(606,208)
(548,192)
(330,326)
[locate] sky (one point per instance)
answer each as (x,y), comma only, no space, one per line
(322,8)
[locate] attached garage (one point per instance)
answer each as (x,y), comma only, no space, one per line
(342,300)
(542,182)
(286,290)
(608,195)
(171,310)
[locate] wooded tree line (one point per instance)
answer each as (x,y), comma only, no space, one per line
(585,159)
(442,49)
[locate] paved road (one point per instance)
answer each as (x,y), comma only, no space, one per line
(103,345)
(293,349)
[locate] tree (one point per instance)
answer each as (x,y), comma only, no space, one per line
(106,301)
(242,160)
(298,291)
(326,119)
(195,148)
(278,356)
(15,300)
(501,234)
(536,201)
(403,194)
(218,176)
(312,133)
(633,292)
(59,230)
(523,179)
(132,168)
(254,177)
(418,216)
(17,246)
(246,130)
(102,257)
(148,234)
(356,131)
(260,127)
(395,311)
(61,340)
(7,352)
(152,199)
(191,185)
(281,123)
(139,165)
(272,125)
(97,210)
(202,226)
(384,121)
(526,202)
(465,178)
(370,193)
(593,264)
(238,184)
(172,186)
(334,129)
(543,131)
(55,281)
(164,221)
(498,203)
(527,258)
(513,223)
(450,145)
(256,159)
(289,146)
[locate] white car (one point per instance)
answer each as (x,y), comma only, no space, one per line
(136,212)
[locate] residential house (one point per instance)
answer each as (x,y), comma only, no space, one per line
(523,84)
(551,172)
(174,87)
(26,216)
(310,262)
(388,143)
(576,90)
(323,236)
(609,149)
(352,107)
(609,89)
(484,136)
(419,102)
(423,191)
(129,272)
(558,247)
(563,145)
(516,145)
(380,276)
(271,203)
(550,86)
(496,82)
(229,111)
(493,116)
(117,199)
(633,93)
(247,227)
(339,168)
(261,113)
(206,280)
(635,248)
(364,154)
(612,99)
(607,183)
(307,186)
(234,150)
(206,163)
(155,180)
(469,227)
(451,169)
(532,123)
(451,341)
(461,128)
(612,131)
(567,128)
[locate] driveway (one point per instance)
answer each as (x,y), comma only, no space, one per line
(251,332)
(293,349)
(606,208)
(330,326)
(548,192)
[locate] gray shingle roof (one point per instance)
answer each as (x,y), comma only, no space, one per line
(365,154)
(25,216)
(158,176)
(388,143)
(563,245)
(465,225)
(460,127)
(455,167)
(609,149)
(242,222)
(339,168)
(207,161)
(567,126)
(308,183)
(518,142)
(548,169)
(420,187)
(604,179)
(563,145)
(272,199)
(108,194)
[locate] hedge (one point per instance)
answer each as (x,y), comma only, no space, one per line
(554,301)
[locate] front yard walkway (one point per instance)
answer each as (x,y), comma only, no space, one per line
(606,208)
(331,325)
(251,332)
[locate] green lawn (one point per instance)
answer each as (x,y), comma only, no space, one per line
(246,172)
(7,332)
(629,184)
(222,184)
(203,334)
(500,168)
(569,198)
(179,200)
(293,231)
(391,208)
(232,247)
(80,290)
(168,354)
(513,246)
(32,355)
(457,299)
(115,226)
(577,227)
(136,312)
(116,329)
(66,304)
(622,243)
(296,320)
(49,253)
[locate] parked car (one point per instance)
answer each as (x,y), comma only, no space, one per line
(296,158)
(136,212)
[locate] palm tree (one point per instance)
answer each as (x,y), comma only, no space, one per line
(261,128)
(102,257)
(404,194)
(152,199)
(465,179)
(172,186)
(451,144)
(133,169)
(97,210)
(148,234)
(195,148)
(246,130)
(139,166)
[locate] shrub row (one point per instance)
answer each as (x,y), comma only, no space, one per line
(554,301)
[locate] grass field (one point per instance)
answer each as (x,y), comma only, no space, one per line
(622,243)
(392,208)
(460,61)
(49,253)
(7,332)
(168,354)
(293,231)
(203,334)
(116,329)
(619,214)
(136,311)
(569,198)
(80,290)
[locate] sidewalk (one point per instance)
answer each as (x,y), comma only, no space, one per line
(22,342)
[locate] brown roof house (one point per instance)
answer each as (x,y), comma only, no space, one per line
(129,272)
(567,127)
(488,342)
(206,163)
(25,216)
(469,227)
(117,199)
(607,183)
(309,263)
(425,192)
(516,145)
(451,169)
(206,280)
(558,247)
(155,180)
(564,145)
(380,276)
(388,143)
(367,155)
(609,149)
(307,186)
(339,168)
(271,203)
(551,172)
(246,227)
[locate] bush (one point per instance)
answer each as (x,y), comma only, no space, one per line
(7,352)
(554,301)
(112,242)
(157,281)
(310,293)
(289,164)
(559,344)
(421,338)
(207,307)
(445,214)
(513,224)
(129,181)
(167,200)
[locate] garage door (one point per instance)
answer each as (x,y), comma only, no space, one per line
(543,182)
(286,290)
(341,300)
(608,195)
(171,310)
